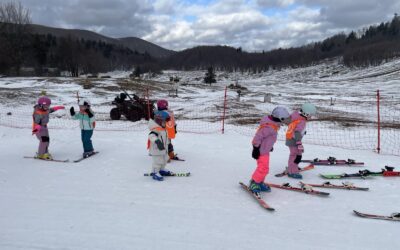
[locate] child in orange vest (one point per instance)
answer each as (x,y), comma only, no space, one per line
(294,135)
(263,143)
(170,126)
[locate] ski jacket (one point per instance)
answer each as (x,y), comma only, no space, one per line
(157,133)
(266,135)
(296,129)
(40,116)
(85,122)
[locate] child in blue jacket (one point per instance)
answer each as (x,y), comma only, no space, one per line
(87,123)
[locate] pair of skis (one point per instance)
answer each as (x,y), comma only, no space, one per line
(333,161)
(57,160)
(305,188)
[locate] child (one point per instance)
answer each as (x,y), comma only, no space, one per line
(87,123)
(162,105)
(157,145)
(294,135)
(263,143)
(41,117)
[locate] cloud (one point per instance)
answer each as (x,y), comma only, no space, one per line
(254,25)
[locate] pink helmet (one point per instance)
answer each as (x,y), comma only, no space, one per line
(44,101)
(162,104)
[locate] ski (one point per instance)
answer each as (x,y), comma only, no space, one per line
(309,167)
(257,197)
(393,217)
(174,174)
(36,158)
(334,161)
(83,158)
(303,189)
(343,176)
(345,185)
(387,172)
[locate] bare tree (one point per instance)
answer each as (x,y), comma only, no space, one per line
(14,30)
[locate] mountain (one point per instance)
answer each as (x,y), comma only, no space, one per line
(132,43)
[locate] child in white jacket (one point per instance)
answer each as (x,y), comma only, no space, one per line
(158,145)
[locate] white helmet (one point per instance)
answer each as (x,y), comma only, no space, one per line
(84,102)
(280,113)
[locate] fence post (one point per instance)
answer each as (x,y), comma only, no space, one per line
(148,104)
(378,148)
(223,116)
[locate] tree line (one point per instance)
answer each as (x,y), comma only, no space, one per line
(19,47)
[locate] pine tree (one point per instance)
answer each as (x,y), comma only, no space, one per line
(210,76)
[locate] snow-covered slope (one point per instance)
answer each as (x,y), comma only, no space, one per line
(105,202)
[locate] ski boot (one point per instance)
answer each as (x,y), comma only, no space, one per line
(255,188)
(165,172)
(295,176)
(157,177)
(45,156)
(264,187)
(87,154)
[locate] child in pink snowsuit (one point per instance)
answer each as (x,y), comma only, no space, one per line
(294,135)
(263,143)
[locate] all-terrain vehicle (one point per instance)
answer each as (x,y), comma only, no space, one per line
(134,109)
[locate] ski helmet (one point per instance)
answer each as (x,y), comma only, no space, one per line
(308,109)
(84,102)
(162,104)
(44,101)
(280,113)
(160,117)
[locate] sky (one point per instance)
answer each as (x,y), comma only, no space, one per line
(254,25)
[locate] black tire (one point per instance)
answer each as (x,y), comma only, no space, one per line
(115,114)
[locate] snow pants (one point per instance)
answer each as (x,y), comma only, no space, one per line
(86,136)
(294,160)
(44,140)
(262,169)
(159,162)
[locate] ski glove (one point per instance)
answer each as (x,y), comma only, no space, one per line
(160,145)
(298,158)
(300,148)
(36,129)
(72,111)
(256,152)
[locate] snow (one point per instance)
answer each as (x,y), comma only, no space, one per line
(105,202)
